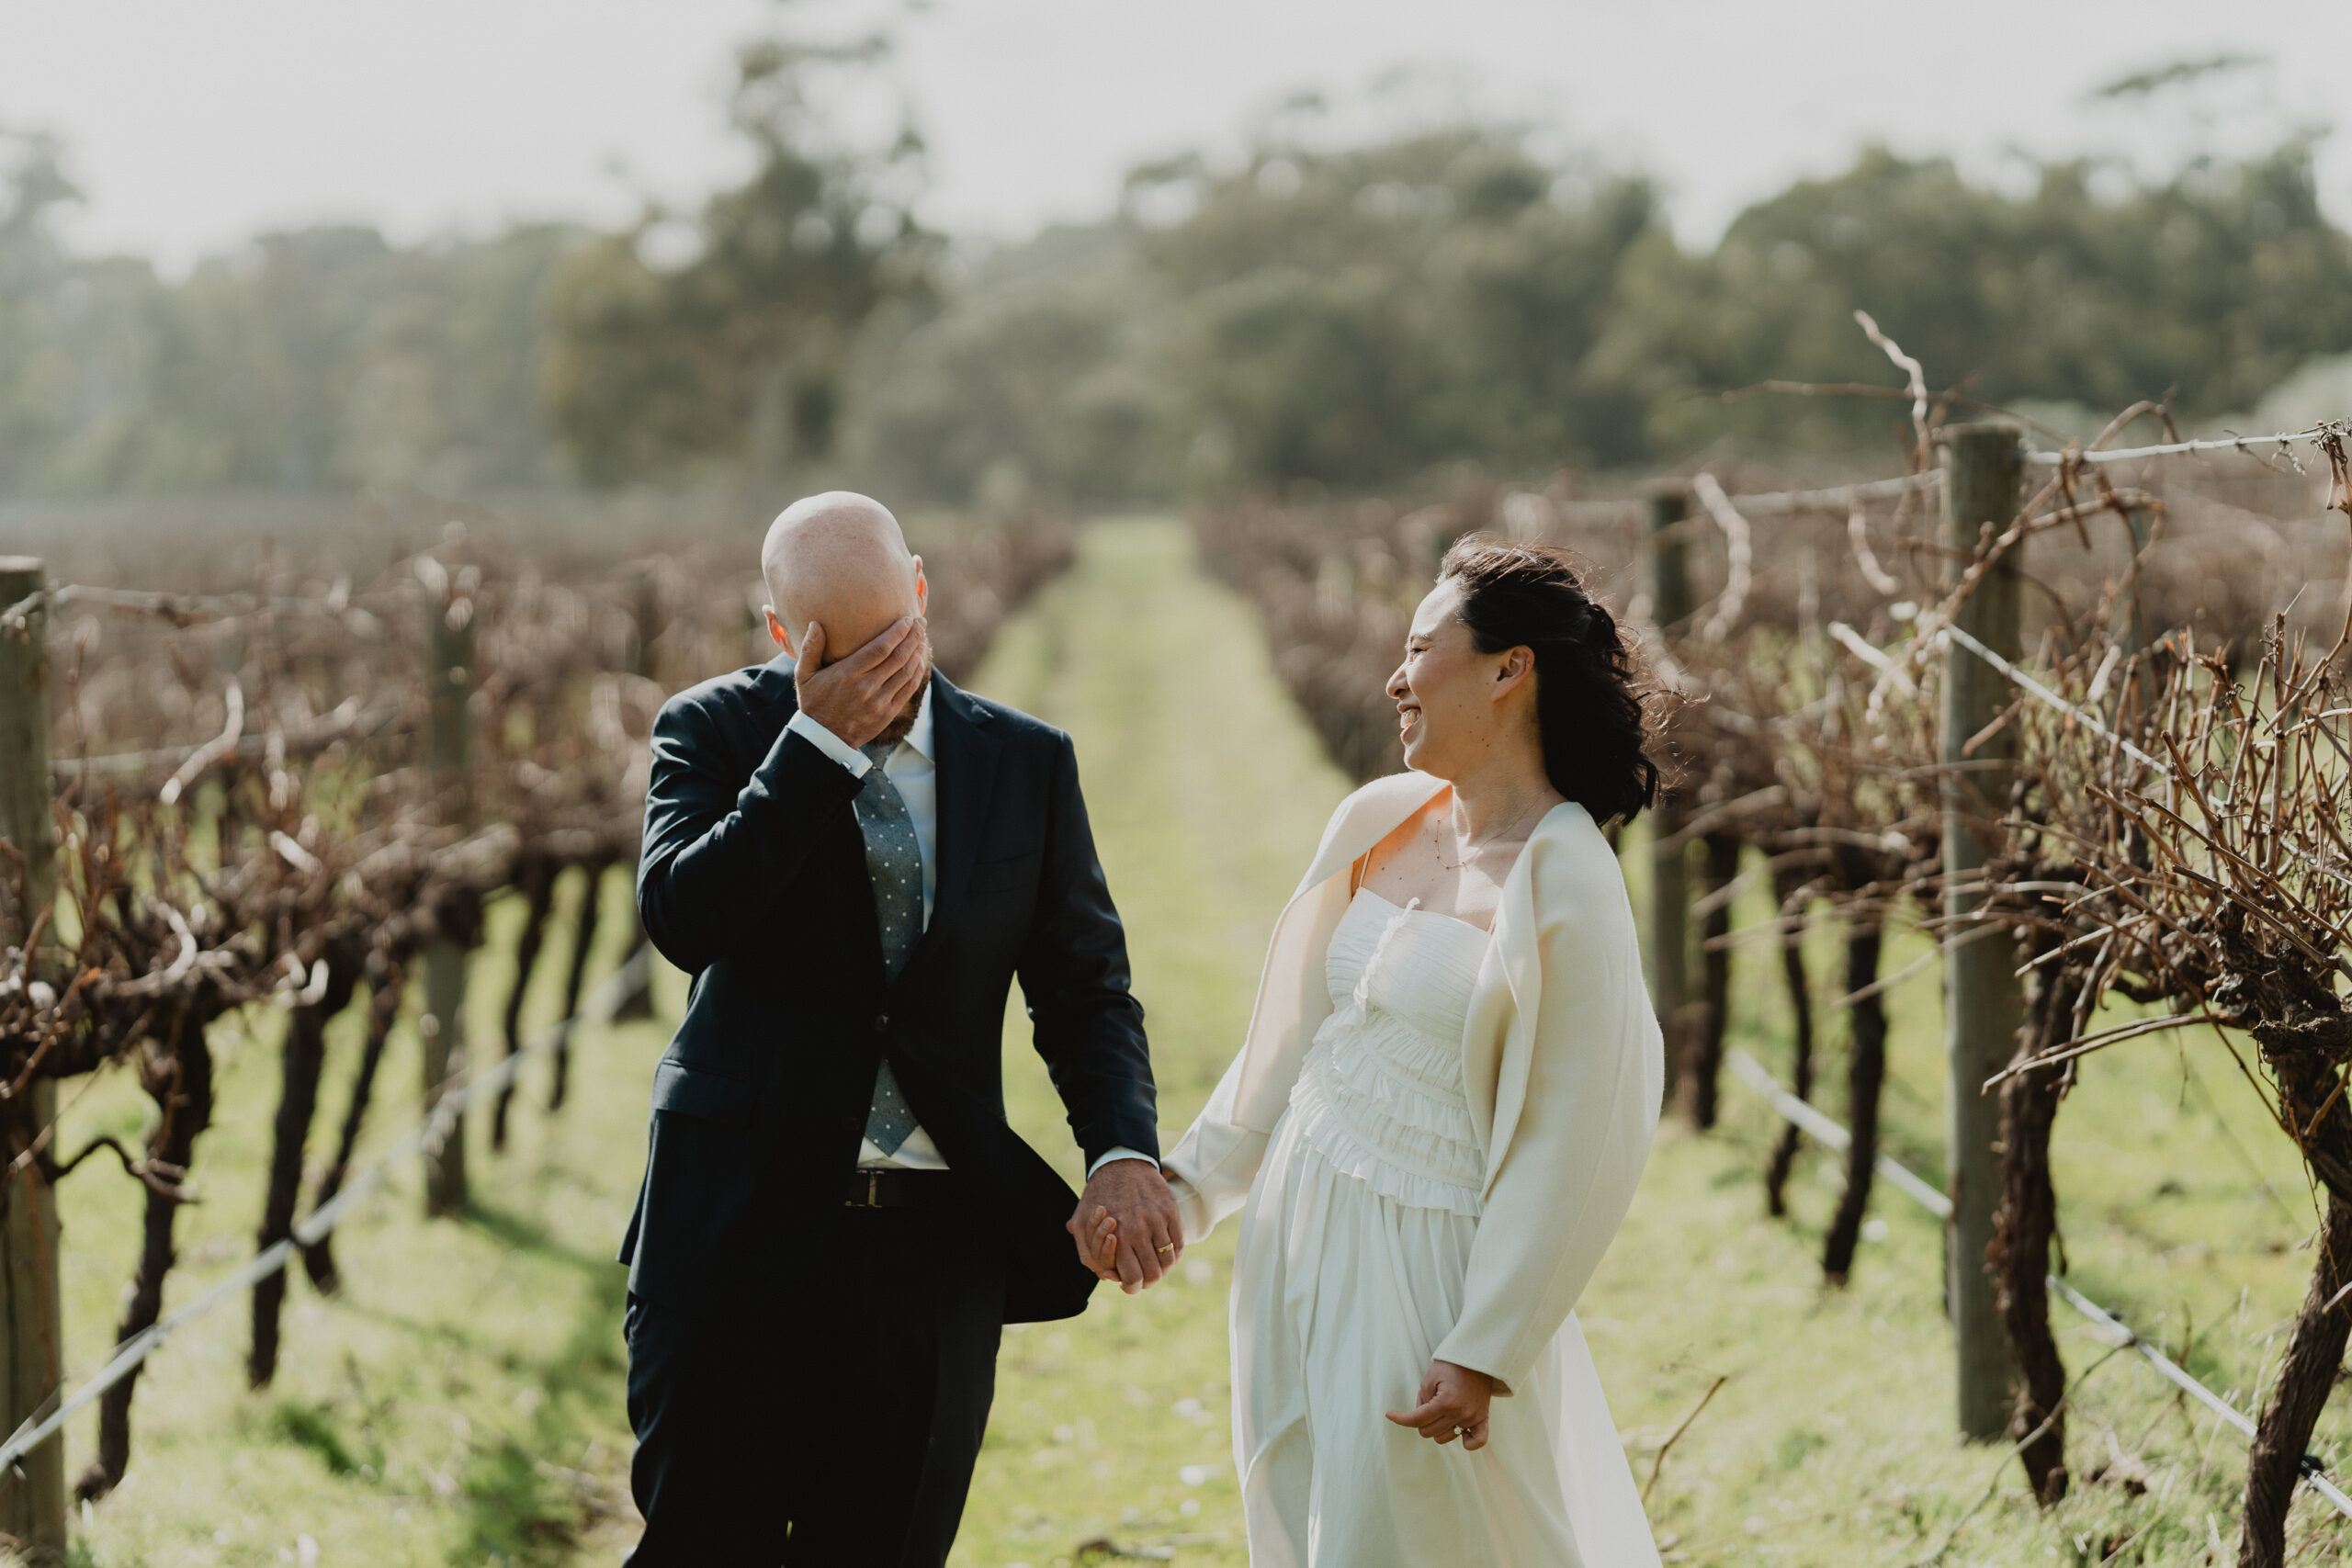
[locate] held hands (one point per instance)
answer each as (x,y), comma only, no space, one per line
(1125,1224)
(1453,1401)
(857,695)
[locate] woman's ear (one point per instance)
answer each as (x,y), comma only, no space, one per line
(1516,666)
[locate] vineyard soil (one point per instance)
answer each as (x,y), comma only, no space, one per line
(460,1402)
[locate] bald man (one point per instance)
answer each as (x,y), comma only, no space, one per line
(855,860)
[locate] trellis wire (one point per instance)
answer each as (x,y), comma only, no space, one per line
(1759,1077)
(345,723)
(2020,678)
(2245,443)
(181,608)
(427,1135)
(1836,496)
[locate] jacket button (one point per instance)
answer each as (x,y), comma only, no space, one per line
(881,1021)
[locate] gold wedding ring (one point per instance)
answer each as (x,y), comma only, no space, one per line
(1165,1247)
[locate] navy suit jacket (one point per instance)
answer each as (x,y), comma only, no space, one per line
(752,880)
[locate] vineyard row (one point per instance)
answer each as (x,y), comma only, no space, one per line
(300,795)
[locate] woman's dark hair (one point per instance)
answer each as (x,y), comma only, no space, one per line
(1589,679)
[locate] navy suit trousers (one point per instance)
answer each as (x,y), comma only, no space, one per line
(823,1410)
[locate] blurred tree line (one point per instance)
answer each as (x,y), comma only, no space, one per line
(323,359)
(1346,315)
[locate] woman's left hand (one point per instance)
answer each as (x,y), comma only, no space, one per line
(1453,1403)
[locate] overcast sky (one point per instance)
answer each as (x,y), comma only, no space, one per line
(191,124)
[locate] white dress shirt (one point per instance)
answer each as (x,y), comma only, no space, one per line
(913,769)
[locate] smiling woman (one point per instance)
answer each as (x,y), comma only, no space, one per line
(1441,1107)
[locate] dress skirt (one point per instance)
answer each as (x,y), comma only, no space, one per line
(1344,1294)
(1353,1246)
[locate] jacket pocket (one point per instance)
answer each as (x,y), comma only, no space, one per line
(1011,871)
(705,1095)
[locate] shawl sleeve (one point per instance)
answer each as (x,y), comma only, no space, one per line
(1594,1073)
(1211,1167)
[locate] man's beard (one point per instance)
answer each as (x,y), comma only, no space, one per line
(899,728)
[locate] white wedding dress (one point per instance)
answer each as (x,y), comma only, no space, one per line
(1348,1273)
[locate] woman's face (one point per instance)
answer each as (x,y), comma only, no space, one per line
(1454,704)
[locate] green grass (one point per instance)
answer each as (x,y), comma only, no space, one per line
(461,1402)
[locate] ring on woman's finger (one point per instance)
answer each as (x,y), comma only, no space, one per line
(1165,1247)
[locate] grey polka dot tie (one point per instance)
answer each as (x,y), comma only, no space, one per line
(894,865)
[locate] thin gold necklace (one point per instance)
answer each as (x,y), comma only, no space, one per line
(1492,840)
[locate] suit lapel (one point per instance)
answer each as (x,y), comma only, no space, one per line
(961,732)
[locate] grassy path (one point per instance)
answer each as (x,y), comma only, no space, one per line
(460,1402)
(1207,795)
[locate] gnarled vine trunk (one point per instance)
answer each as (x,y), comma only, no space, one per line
(2310,1094)
(1702,1069)
(305,1059)
(537,878)
(1789,888)
(2027,1223)
(387,981)
(179,1078)
(584,944)
(1865,1078)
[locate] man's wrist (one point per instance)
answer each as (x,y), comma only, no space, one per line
(1120,1153)
(831,745)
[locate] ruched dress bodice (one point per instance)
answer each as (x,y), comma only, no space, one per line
(1380,1093)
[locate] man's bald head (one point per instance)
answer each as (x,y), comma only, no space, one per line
(840,559)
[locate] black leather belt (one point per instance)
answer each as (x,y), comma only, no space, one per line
(871,1188)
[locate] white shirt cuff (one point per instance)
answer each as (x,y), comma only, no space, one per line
(1122,1152)
(831,745)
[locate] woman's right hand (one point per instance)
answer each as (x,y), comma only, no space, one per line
(1098,1242)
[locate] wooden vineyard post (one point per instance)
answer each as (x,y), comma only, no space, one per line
(32,1498)
(1670,955)
(1983,1001)
(449,631)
